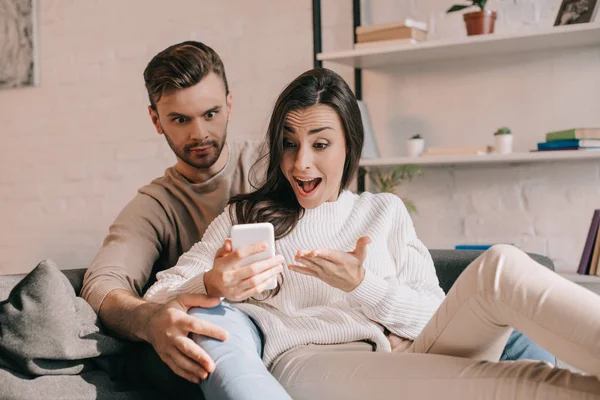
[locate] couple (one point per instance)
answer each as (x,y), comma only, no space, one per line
(350,267)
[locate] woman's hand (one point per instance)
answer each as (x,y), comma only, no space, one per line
(341,270)
(237,283)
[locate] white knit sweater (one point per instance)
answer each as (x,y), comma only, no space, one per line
(400,289)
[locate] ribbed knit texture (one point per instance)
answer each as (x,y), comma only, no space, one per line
(400,290)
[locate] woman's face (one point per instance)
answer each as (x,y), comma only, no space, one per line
(314,152)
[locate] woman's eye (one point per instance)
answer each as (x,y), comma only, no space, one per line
(321,146)
(287,144)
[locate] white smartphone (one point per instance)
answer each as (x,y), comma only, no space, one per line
(245,234)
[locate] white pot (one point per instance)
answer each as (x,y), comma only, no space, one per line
(415,147)
(503,143)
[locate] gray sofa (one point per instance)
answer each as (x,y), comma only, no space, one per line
(448,263)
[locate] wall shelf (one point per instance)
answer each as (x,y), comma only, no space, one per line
(569,36)
(514,158)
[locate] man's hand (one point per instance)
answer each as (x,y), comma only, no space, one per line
(168,329)
(236,283)
(341,270)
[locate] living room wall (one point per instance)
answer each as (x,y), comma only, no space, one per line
(76,148)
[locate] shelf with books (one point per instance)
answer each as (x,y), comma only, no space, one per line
(513,158)
(568,36)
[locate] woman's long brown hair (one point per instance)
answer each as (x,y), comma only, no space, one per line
(274,200)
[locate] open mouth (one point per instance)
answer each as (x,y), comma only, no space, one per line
(307,186)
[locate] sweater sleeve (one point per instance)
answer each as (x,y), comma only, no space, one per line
(129,251)
(403,303)
(187,276)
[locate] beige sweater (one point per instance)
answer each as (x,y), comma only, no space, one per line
(400,290)
(162,222)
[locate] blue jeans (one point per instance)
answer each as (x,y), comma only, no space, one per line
(239,371)
(520,347)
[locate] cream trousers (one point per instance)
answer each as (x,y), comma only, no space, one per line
(456,355)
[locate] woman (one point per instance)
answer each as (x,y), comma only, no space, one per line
(354,270)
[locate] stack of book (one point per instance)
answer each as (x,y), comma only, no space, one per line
(572,139)
(393,33)
(590,258)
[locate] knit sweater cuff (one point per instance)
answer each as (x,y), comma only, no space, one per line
(371,291)
(96,294)
(163,291)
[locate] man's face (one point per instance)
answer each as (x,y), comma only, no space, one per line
(194,121)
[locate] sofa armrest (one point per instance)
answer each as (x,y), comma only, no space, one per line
(449,264)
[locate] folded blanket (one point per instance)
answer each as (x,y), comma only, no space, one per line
(45,329)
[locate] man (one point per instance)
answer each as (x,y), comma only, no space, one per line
(190,104)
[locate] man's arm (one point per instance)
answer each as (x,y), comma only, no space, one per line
(113,284)
(127,315)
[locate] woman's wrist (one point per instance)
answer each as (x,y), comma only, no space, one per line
(360,276)
(211,290)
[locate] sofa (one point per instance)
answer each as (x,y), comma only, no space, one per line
(448,264)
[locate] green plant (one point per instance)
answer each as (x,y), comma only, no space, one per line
(503,131)
(474,3)
(387,180)
(417,136)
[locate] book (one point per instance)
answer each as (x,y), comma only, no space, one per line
(384,43)
(481,247)
(569,144)
(447,151)
(370,149)
(576,133)
(392,34)
(595,254)
(403,23)
(586,255)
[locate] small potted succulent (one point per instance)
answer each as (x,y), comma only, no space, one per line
(477,22)
(415,145)
(504,141)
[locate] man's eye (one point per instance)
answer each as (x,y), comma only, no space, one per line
(211,114)
(180,120)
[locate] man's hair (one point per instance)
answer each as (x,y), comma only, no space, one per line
(181,66)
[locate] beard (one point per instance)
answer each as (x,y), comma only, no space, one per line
(200,161)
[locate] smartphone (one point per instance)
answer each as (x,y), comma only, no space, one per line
(245,234)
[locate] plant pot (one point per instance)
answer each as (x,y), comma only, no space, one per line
(415,147)
(503,144)
(480,22)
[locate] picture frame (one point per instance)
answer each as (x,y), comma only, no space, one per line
(576,12)
(19,51)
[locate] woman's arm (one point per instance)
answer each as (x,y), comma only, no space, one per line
(403,303)
(187,276)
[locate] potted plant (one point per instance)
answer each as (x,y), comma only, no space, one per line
(415,145)
(387,180)
(504,141)
(477,22)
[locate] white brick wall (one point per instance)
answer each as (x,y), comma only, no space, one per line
(543,208)
(75,149)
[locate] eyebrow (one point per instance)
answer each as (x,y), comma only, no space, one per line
(177,114)
(311,132)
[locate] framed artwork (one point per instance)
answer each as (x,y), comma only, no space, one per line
(576,12)
(18,43)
